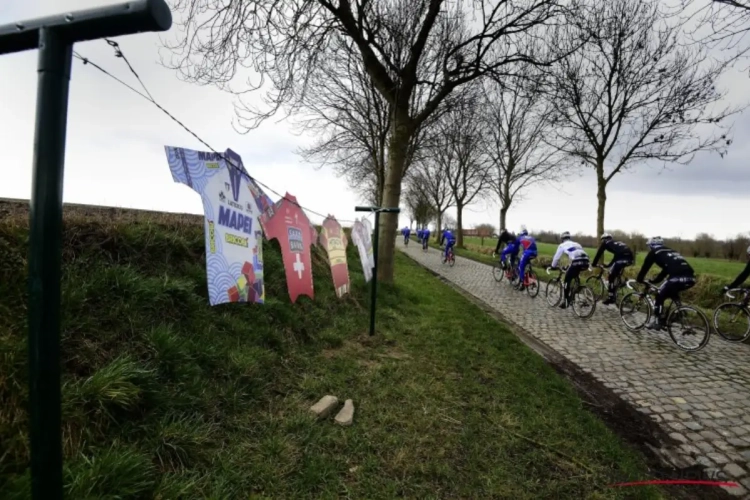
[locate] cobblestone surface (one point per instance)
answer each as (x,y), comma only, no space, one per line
(701,399)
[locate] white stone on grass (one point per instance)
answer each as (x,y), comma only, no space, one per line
(325,406)
(346,415)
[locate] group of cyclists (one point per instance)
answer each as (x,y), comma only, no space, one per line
(676,275)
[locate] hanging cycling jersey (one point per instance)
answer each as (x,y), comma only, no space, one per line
(333,239)
(370,235)
(232,203)
(292,229)
(361,238)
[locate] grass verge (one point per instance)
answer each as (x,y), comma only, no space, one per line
(166,397)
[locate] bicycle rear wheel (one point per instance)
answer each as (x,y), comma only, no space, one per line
(498,272)
(554,292)
(688,328)
(533,283)
(635,310)
(584,302)
(451,259)
(732,322)
(597,286)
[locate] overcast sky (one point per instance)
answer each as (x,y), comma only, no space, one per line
(115,152)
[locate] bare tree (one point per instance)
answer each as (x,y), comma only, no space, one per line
(722,25)
(484,231)
(429,179)
(633,93)
(351,120)
(456,149)
(516,132)
(403,45)
(418,205)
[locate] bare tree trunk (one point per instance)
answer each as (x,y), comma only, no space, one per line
(397,151)
(439,225)
(601,196)
(503,216)
(459,225)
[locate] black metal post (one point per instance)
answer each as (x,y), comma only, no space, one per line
(45,236)
(54,37)
(374,290)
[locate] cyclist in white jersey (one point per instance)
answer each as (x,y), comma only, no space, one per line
(578,259)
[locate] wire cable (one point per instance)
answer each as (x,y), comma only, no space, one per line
(148,96)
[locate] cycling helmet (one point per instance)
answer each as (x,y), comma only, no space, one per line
(606,237)
(565,236)
(523,232)
(655,242)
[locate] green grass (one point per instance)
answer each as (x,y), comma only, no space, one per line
(166,397)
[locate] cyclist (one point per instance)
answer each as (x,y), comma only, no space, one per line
(511,247)
(578,261)
(742,276)
(528,243)
(449,240)
(406,232)
(425,237)
(622,257)
(680,276)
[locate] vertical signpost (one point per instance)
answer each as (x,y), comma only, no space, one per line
(374,290)
(54,37)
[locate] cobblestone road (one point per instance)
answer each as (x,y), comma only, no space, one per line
(702,400)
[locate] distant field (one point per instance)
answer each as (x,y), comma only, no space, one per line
(719,267)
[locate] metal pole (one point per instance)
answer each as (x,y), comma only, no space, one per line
(374,292)
(45,237)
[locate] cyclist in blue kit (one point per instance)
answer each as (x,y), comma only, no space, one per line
(449,240)
(425,237)
(528,244)
(511,248)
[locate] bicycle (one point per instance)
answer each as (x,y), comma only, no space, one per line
(450,258)
(600,286)
(530,280)
(733,313)
(637,307)
(505,270)
(581,296)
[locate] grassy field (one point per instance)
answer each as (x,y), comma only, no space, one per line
(166,397)
(718,267)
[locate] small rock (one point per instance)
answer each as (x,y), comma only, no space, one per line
(734,470)
(678,437)
(717,458)
(325,406)
(346,415)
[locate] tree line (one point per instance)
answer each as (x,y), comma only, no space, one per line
(435,104)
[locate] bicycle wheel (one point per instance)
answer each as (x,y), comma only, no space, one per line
(554,292)
(688,328)
(584,302)
(597,286)
(451,259)
(533,284)
(498,272)
(732,322)
(635,310)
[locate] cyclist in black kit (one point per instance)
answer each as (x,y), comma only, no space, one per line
(742,276)
(505,238)
(622,257)
(680,276)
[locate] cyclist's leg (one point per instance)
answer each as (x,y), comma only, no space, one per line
(522,266)
(668,290)
(614,272)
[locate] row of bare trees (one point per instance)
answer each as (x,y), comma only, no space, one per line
(463,98)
